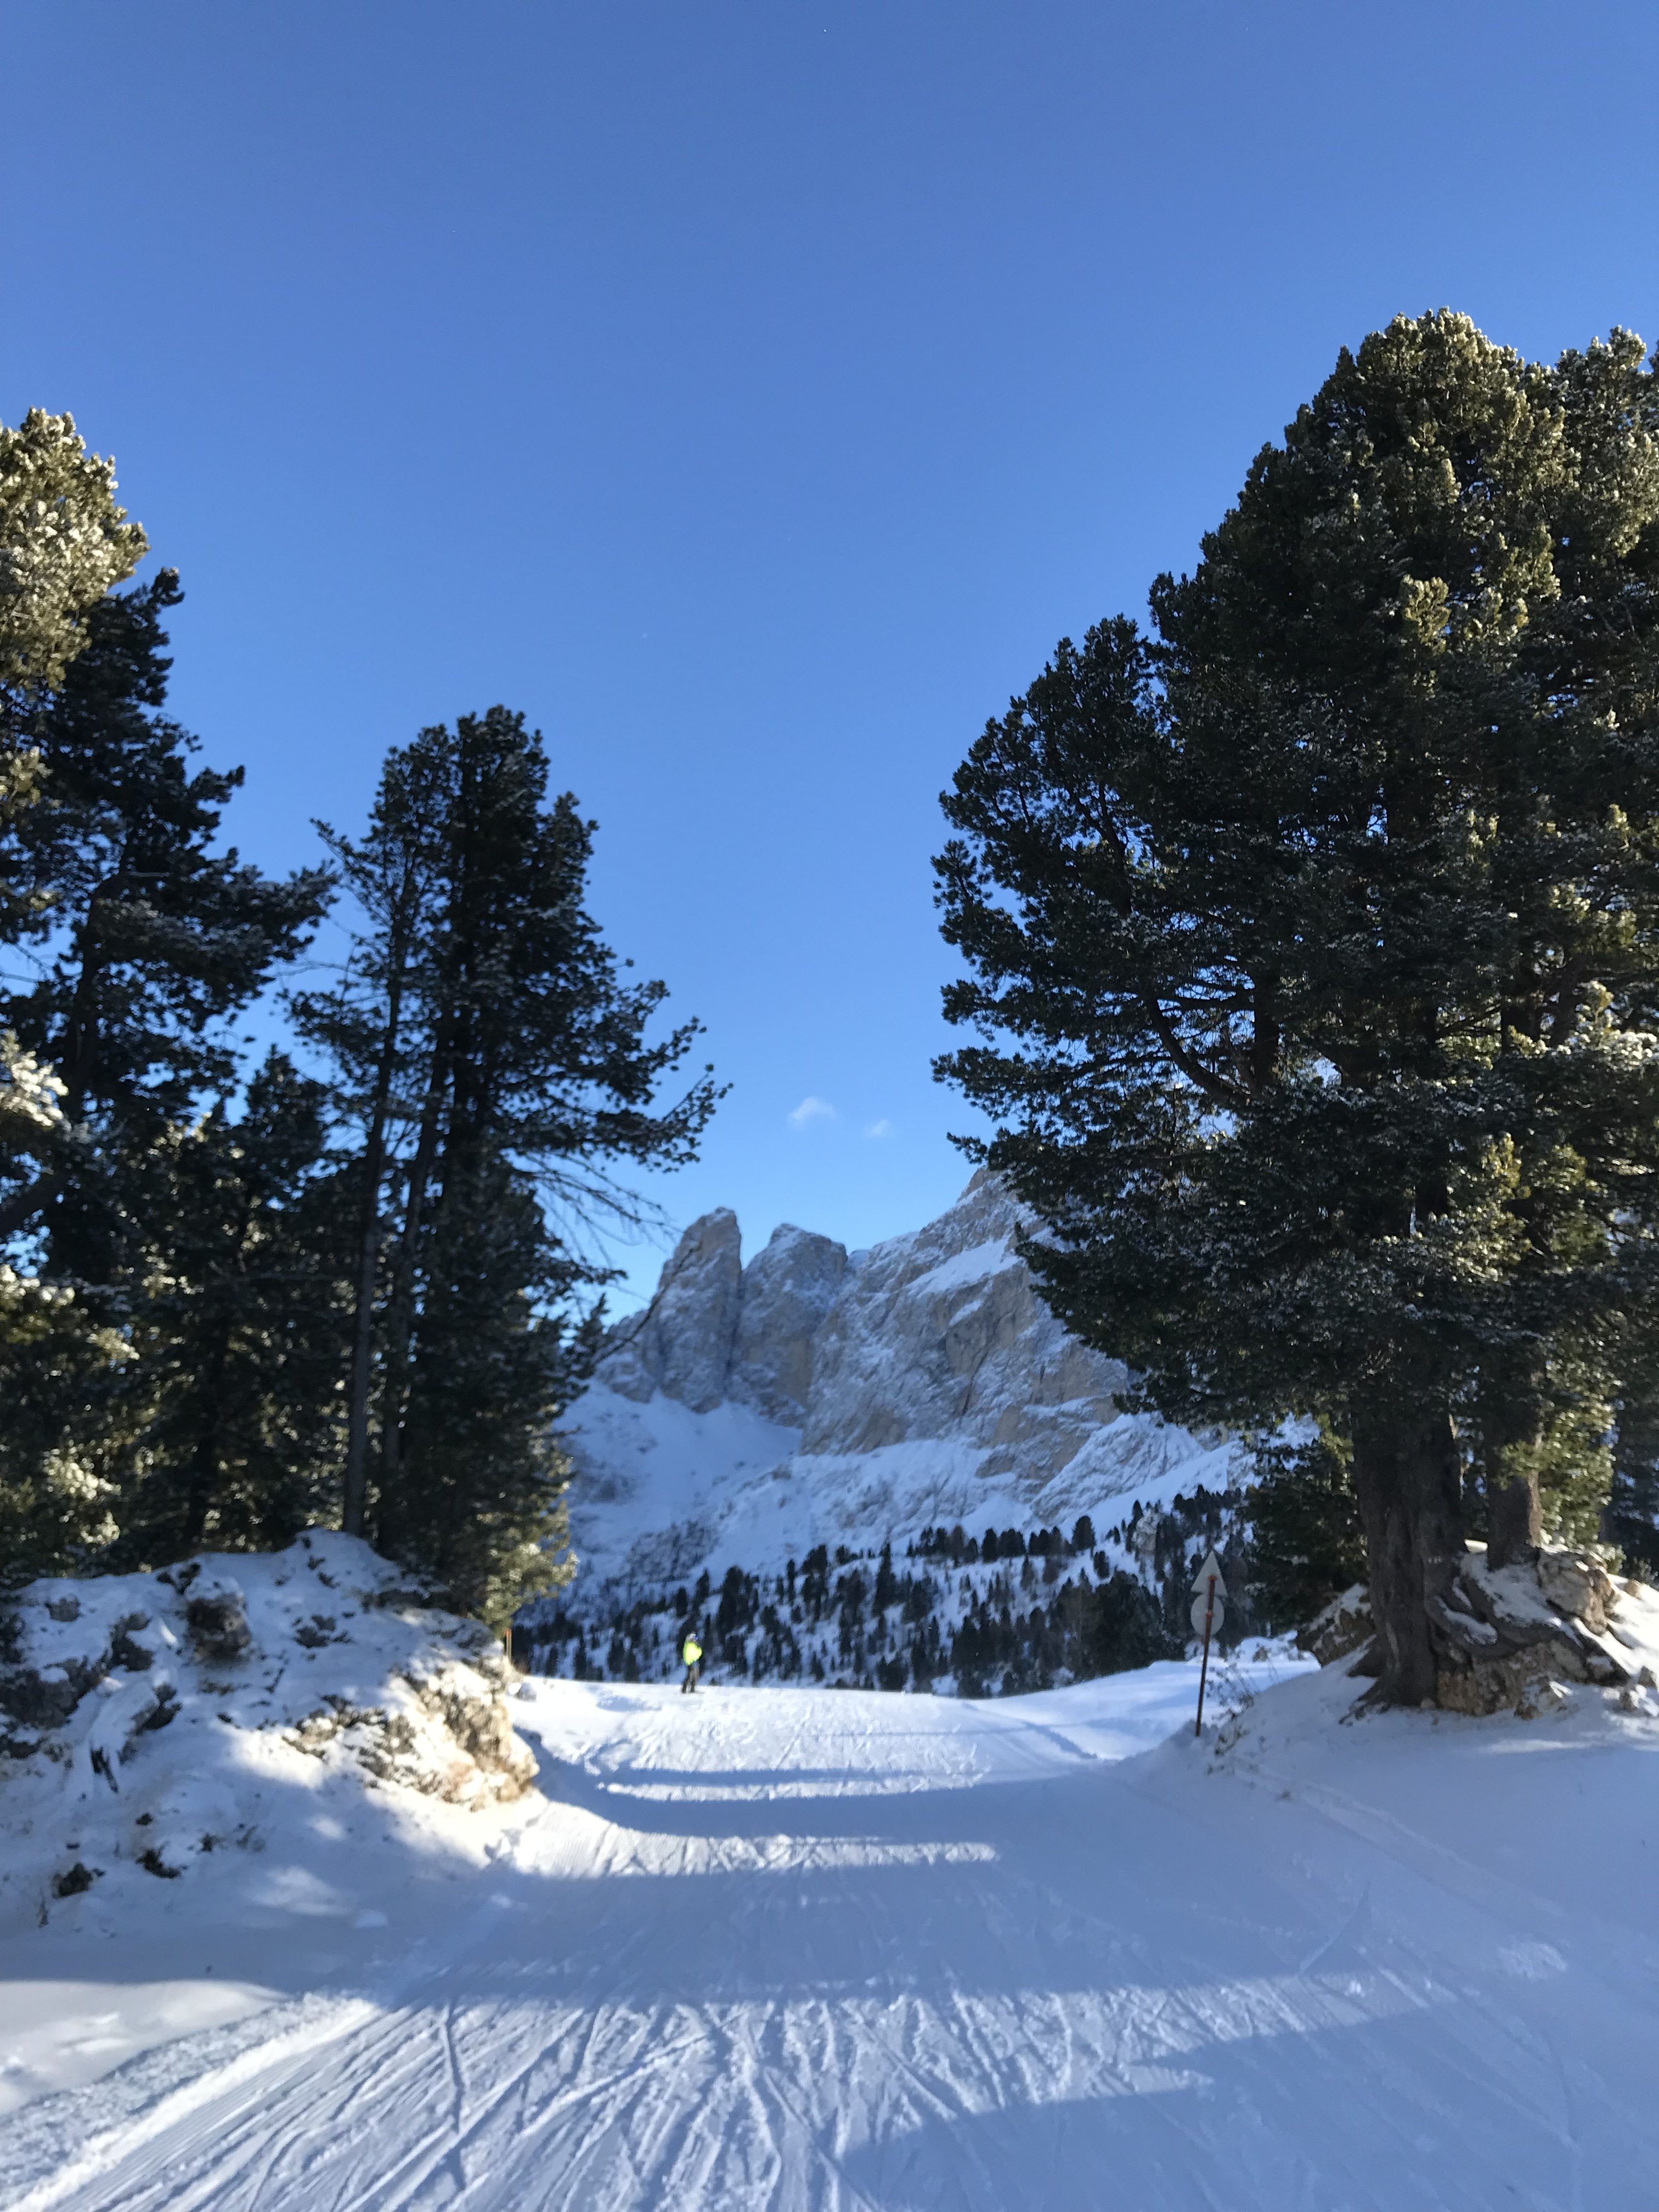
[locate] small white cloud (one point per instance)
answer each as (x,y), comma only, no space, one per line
(812,1110)
(881,1128)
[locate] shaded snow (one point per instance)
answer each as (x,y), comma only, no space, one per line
(210,1842)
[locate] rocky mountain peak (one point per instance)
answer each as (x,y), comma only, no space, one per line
(940,1333)
(817,1397)
(682,1343)
(788,1289)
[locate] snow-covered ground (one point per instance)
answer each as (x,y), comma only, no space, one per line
(209,1781)
(793,1948)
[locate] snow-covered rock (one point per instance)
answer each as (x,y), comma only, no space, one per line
(148,1722)
(818,1397)
(1344,1627)
(942,1333)
(1555,1615)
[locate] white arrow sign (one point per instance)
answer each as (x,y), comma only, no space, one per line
(1216,1612)
(1211,1566)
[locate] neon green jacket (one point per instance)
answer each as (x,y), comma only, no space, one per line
(690,1650)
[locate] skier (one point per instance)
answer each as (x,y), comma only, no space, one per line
(691,1652)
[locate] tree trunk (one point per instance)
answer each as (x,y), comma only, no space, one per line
(400,1314)
(18,1210)
(1515,1522)
(1513,1424)
(368,1246)
(355,1487)
(1405,1476)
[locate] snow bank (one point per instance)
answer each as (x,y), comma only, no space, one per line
(156,1729)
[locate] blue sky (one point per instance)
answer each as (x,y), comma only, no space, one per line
(752,394)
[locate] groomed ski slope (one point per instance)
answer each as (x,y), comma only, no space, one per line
(805,1949)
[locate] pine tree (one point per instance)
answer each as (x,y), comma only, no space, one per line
(63,543)
(237,1323)
(59,1457)
(1314,944)
(1306,1543)
(370,1025)
(496,1061)
(144,939)
(480,1505)
(887,1587)
(141,941)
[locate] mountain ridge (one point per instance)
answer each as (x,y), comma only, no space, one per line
(818,1396)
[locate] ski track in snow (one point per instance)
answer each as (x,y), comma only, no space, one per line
(808,1949)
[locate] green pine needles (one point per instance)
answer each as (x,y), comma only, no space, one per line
(1312,943)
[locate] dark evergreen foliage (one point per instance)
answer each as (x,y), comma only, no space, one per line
(1306,1543)
(143,938)
(1125,1627)
(899,1629)
(234,1396)
(496,1061)
(235,1290)
(184,1370)
(1631,1519)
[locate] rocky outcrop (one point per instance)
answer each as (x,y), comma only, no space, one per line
(98,1677)
(449,1735)
(216,1614)
(788,1291)
(942,1333)
(1513,1638)
(821,1397)
(1345,1625)
(1553,1616)
(683,1343)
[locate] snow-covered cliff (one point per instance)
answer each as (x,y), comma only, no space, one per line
(821,1397)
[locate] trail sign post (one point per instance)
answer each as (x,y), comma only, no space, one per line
(1209,1609)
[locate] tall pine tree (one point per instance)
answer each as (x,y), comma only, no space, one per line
(495,1059)
(1314,944)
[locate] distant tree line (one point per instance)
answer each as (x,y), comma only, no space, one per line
(353,1284)
(1026,1611)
